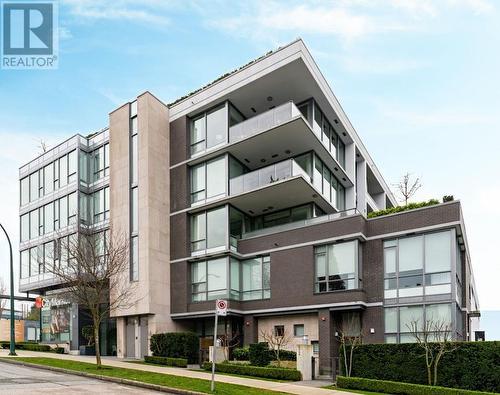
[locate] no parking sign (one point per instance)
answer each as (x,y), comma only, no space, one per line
(221,307)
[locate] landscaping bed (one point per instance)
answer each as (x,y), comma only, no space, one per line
(165,361)
(256,371)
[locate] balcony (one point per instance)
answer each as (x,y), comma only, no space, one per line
(37,282)
(281,185)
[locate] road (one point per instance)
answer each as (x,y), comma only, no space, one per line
(18,380)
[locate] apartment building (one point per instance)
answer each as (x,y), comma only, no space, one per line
(256,189)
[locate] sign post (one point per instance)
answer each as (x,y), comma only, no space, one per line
(220,309)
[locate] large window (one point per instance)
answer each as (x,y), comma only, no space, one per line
(401,322)
(25,191)
(209,129)
(418,265)
(208,180)
(245,280)
(100,205)
(326,183)
(336,267)
(209,229)
(100,162)
(25,263)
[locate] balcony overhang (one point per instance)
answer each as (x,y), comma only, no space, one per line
(274,196)
(288,139)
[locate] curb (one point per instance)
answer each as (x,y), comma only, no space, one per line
(116,380)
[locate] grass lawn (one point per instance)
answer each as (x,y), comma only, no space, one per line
(149,377)
(333,387)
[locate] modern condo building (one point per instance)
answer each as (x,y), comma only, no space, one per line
(255,188)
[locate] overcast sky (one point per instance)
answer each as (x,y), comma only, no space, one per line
(419,80)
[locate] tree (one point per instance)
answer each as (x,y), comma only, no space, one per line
(434,337)
(229,341)
(3,292)
(93,271)
(34,314)
(277,340)
(407,187)
(350,337)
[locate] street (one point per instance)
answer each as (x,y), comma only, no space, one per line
(25,380)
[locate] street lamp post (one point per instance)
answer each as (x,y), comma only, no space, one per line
(12,323)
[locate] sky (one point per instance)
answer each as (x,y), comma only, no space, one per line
(418,79)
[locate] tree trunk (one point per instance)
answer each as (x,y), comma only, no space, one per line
(97,344)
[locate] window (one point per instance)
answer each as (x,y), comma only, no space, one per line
(49,217)
(209,229)
(256,281)
(25,227)
(25,191)
(134,259)
(34,266)
(72,208)
(298,330)
(101,162)
(409,316)
(63,171)
(48,172)
(209,130)
(235,279)
(25,263)
(134,174)
(84,168)
(208,180)
(279,330)
(209,279)
(391,320)
(33,187)
(438,252)
(336,267)
(134,216)
(34,228)
(100,205)
(315,345)
(72,166)
(48,256)
(63,212)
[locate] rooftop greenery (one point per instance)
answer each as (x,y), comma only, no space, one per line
(398,209)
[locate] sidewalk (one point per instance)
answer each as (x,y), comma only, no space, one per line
(290,388)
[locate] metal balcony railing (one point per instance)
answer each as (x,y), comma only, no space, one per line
(267,175)
(262,122)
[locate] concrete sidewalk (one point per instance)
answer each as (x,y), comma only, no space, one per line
(290,388)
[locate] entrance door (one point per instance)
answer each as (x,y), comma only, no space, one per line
(130,329)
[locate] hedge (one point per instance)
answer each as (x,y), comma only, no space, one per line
(472,365)
(176,345)
(256,371)
(259,355)
(392,387)
(243,354)
(178,362)
(28,346)
(398,209)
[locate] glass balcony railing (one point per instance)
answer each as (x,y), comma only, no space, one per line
(267,175)
(262,122)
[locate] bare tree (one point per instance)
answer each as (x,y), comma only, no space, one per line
(435,338)
(94,272)
(407,187)
(276,341)
(3,291)
(42,146)
(350,337)
(229,340)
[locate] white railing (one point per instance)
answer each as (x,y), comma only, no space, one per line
(302,223)
(266,175)
(264,121)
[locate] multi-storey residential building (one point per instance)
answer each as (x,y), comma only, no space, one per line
(255,188)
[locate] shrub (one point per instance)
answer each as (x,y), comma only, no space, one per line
(176,345)
(287,355)
(59,350)
(256,371)
(398,209)
(259,354)
(392,387)
(241,354)
(27,346)
(178,362)
(448,198)
(473,365)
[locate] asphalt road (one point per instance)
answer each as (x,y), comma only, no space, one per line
(25,380)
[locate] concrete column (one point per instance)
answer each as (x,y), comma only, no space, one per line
(325,328)
(350,167)
(361,187)
(121,338)
(250,330)
(304,360)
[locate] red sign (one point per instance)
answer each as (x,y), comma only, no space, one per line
(221,307)
(39,302)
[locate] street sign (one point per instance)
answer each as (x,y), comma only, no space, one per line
(221,307)
(39,302)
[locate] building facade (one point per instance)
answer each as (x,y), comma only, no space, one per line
(255,189)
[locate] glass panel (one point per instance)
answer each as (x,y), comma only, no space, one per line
(216,277)
(133,160)
(84,167)
(266,273)
(25,227)
(198,135)
(236,222)
(216,127)
(48,256)
(33,187)
(25,263)
(438,252)
(342,259)
(34,231)
(390,261)
(409,316)
(391,339)
(216,177)
(298,330)
(49,217)
(234,116)
(63,212)
(48,172)
(235,168)
(34,267)
(134,216)
(72,208)
(72,166)
(134,270)
(25,191)
(340,197)
(305,161)
(318,174)
(391,320)
(341,153)
(320,266)
(198,232)
(411,254)
(198,183)
(440,315)
(217,228)
(235,274)
(252,278)
(63,171)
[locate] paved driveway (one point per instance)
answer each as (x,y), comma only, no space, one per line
(25,380)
